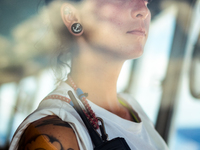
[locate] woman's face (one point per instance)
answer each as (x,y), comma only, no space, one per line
(116,27)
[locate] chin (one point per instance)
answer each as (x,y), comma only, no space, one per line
(133,52)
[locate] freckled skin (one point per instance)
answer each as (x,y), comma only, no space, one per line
(114,18)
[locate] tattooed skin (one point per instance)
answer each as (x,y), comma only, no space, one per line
(43,142)
(55,121)
(48,133)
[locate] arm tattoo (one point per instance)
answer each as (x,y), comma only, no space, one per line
(39,141)
(54,120)
(43,141)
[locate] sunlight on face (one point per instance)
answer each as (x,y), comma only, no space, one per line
(119,27)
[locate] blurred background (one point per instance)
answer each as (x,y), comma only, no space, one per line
(165,80)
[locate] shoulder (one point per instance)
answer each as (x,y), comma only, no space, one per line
(49,133)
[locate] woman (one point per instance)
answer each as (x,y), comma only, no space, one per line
(103,34)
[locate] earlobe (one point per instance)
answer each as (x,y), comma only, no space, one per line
(69,17)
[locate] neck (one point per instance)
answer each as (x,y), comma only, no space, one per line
(98,76)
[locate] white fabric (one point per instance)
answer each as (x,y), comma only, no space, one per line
(139,136)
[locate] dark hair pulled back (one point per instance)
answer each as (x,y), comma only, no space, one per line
(62,54)
(49,1)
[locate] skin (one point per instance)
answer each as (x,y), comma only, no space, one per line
(48,133)
(111,36)
(114,18)
(98,59)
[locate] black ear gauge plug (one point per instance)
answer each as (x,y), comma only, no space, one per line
(76,28)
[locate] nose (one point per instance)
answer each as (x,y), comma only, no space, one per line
(139,9)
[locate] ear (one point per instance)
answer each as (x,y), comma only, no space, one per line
(70,16)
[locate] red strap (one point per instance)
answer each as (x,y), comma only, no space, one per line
(62,98)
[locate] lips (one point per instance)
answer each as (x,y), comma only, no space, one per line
(140,32)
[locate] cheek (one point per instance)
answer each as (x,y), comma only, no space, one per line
(109,14)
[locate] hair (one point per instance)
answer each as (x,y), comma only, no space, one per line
(49,1)
(62,55)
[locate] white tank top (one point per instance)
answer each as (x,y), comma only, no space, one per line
(139,136)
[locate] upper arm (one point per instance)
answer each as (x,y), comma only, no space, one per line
(49,133)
